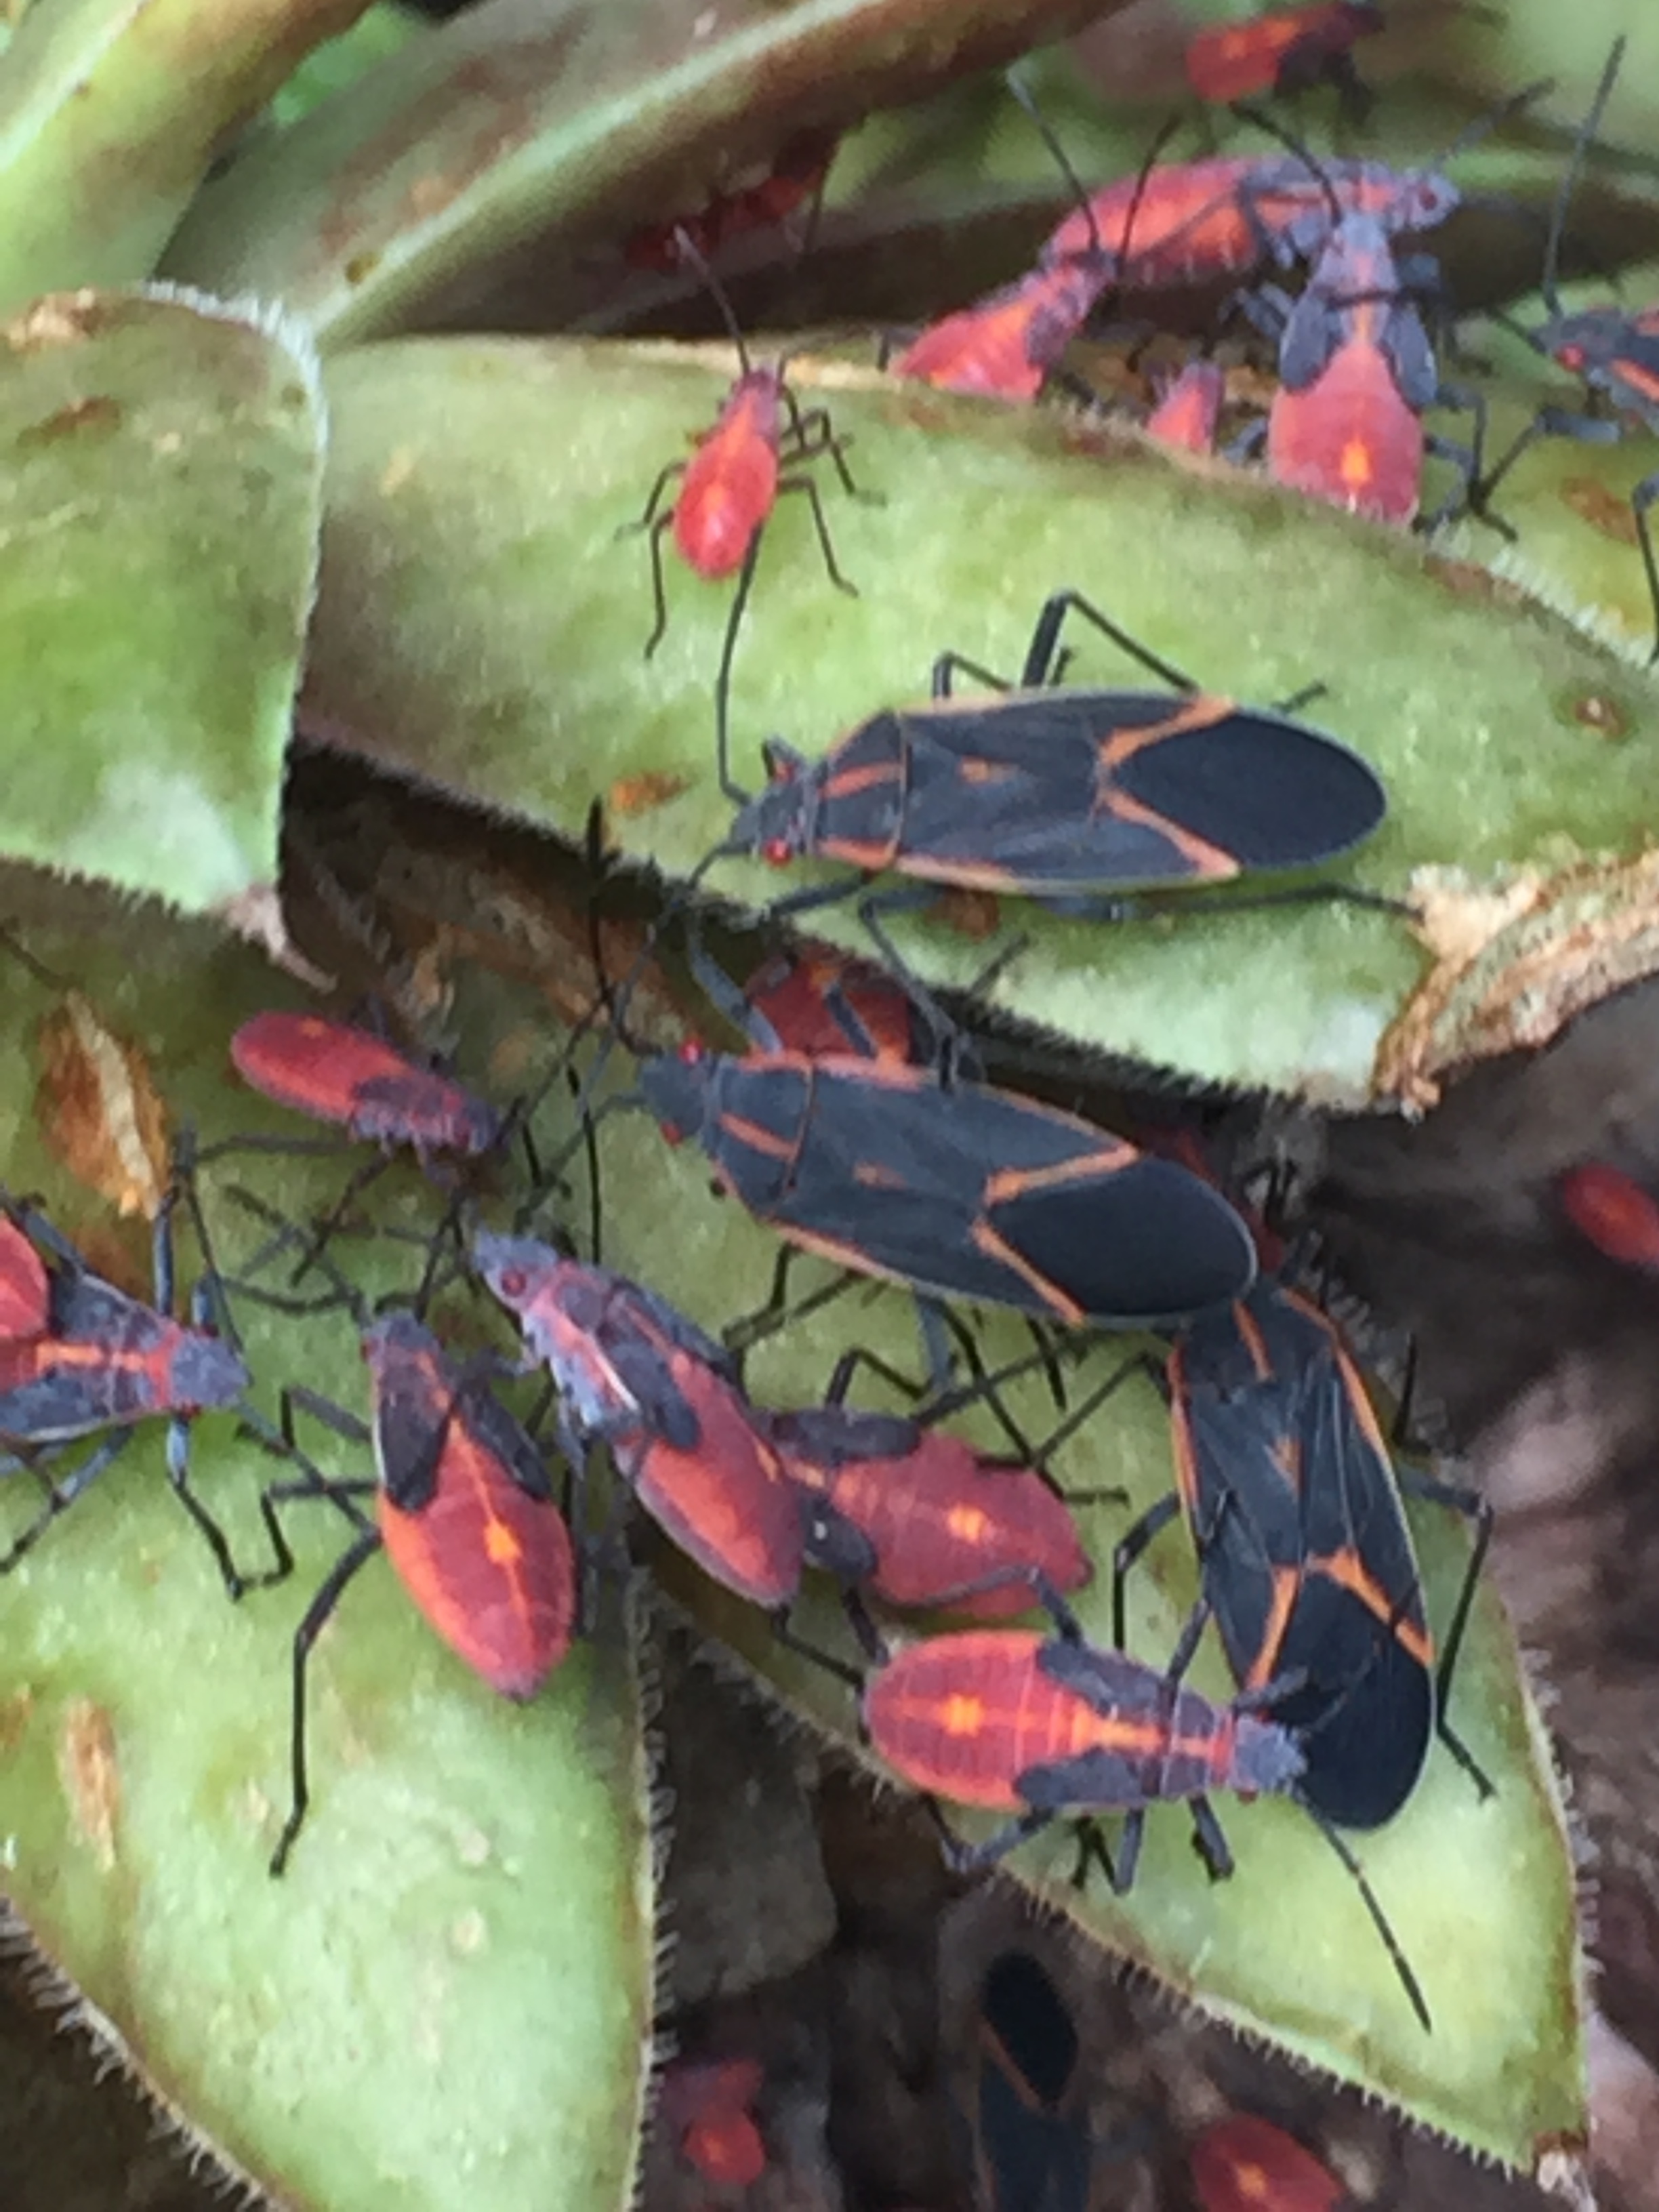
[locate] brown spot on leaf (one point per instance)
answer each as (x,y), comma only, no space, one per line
(16,1711)
(99,417)
(61,319)
(639,794)
(1603,509)
(973,914)
(90,1771)
(1468,579)
(99,1109)
(1599,711)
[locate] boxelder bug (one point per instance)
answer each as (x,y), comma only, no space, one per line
(916,1517)
(956,1190)
(1061,796)
(1358,370)
(25,1289)
(1615,352)
(1008,344)
(1031,2144)
(796,177)
(103,1362)
(1613,1211)
(821,1002)
(1245,2164)
(1043,1726)
(734,479)
(1293,1504)
(708,2107)
(464,1510)
(1186,414)
(335,1072)
(633,1373)
(1283,49)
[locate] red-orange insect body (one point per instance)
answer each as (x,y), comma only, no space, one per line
(1006,345)
(926,1516)
(1245,2164)
(976,1717)
(823,1003)
(466,1515)
(1350,437)
(1613,1211)
(796,177)
(1283,49)
(708,2107)
(730,482)
(633,1372)
(1187,414)
(335,1072)
(25,1292)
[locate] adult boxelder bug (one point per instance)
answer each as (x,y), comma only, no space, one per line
(1614,1212)
(1007,344)
(957,1190)
(1031,2144)
(1066,797)
(1615,351)
(464,1510)
(633,1373)
(1246,2164)
(1283,49)
(795,179)
(1293,1503)
(336,1073)
(1042,1726)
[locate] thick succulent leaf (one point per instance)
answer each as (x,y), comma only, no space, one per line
(519,117)
(111,112)
(161,513)
(1480,1895)
(480,624)
(449,1995)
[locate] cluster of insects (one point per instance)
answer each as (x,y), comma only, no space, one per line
(856,1124)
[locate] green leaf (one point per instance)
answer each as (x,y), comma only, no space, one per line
(521,117)
(111,112)
(449,1995)
(160,509)
(480,624)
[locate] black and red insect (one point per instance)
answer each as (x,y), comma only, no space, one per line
(1030,2137)
(707,2105)
(464,1509)
(1283,49)
(25,1286)
(364,1083)
(1293,1504)
(820,1002)
(97,1364)
(1074,799)
(1007,345)
(634,1373)
(1246,2164)
(1043,1727)
(1613,351)
(1188,409)
(955,1190)
(793,180)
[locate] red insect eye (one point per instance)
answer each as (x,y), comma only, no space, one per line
(514,1283)
(775,853)
(690,1054)
(1570,356)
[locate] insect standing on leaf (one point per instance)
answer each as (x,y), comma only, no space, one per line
(336,1073)
(735,477)
(1007,344)
(96,1363)
(1615,350)
(1047,1727)
(464,1510)
(1284,50)
(633,1374)
(1293,1501)
(1073,798)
